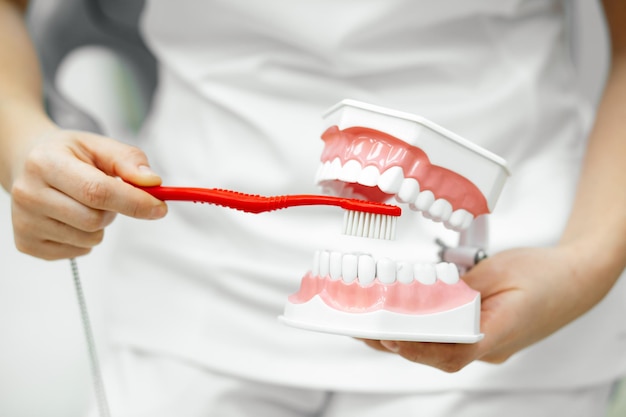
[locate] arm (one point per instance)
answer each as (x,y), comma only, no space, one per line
(63,184)
(20,86)
(598,221)
(518,312)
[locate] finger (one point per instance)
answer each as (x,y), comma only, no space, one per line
(374,344)
(55,231)
(489,277)
(87,168)
(30,230)
(448,357)
(482,277)
(52,216)
(498,324)
(118,160)
(95,189)
(48,250)
(50,203)
(110,194)
(53,251)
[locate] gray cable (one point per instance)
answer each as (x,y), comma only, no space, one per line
(96,374)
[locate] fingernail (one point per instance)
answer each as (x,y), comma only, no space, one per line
(158,211)
(390,346)
(146,170)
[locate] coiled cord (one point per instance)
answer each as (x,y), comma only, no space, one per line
(96,374)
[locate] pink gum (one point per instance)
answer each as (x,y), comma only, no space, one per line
(372,147)
(413,298)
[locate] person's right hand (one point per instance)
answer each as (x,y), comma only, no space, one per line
(69,185)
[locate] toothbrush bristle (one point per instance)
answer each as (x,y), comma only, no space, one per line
(370,225)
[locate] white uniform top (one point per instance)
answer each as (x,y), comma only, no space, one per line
(242,88)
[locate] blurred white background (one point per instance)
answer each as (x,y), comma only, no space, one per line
(43,362)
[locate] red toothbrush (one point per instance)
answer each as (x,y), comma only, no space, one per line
(362,218)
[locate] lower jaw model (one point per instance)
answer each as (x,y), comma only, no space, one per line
(377,154)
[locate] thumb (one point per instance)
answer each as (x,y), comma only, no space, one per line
(121,160)
(139,174)
(483,277)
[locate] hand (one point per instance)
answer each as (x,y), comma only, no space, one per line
(66,190)
(527,294)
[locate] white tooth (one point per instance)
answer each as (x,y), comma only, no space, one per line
(369,176)
(319,175)
(366,269)
(349,267)
(316,264)
(391,180)
(424,273)
(467,222)
(350,171)
(386,271)
(409,190)
(335,265)
(404,272)
(324,263)
(335,169)
(424,200)
(459,220)
(447,272)
(440,210)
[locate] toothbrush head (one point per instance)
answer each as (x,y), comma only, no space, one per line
(370,225)
(364,218)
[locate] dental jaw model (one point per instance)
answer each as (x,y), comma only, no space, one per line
(377,154)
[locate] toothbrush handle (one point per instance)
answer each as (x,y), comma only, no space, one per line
(226,198)
(252,203)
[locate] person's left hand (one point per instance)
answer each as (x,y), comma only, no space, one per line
(527,294)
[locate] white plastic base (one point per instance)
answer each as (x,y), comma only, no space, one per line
(458,325)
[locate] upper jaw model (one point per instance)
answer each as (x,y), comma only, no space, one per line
(375,153)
